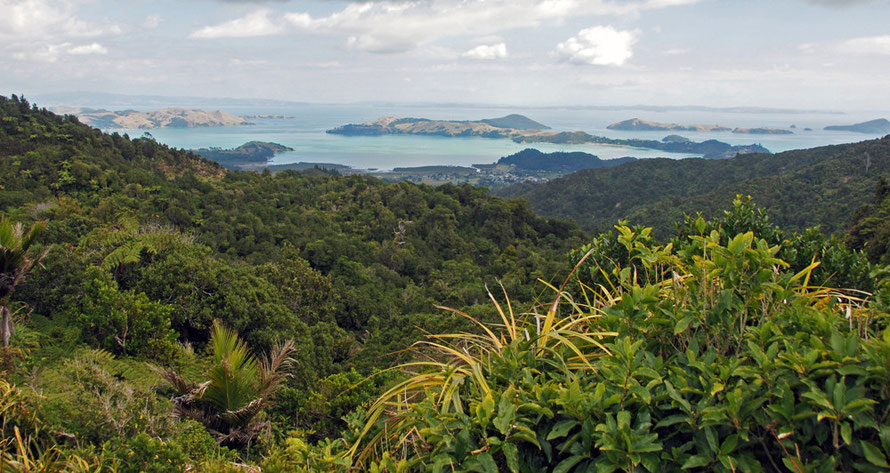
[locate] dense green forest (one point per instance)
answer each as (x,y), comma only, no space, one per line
(164,314)
(802,188)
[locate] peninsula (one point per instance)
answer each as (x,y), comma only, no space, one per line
(173,117)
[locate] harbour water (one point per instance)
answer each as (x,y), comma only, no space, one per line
(305,125)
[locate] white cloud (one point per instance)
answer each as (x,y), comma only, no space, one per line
(47,20)
(92,48)
(487,51)
(257,23)
(599,45)
(398,26)
(151,22)
(52,52)
(867,45)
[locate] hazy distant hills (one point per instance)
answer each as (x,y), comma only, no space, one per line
(877,127)
(801,188)
(173,117)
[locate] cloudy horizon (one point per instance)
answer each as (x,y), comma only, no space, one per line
(806,54)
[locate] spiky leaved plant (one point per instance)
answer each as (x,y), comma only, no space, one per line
(16,260)
(240,386)
(474,383)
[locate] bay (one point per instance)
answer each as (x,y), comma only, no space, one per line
(304,131)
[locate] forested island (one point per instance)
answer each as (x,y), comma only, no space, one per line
(250,155)
(163,314)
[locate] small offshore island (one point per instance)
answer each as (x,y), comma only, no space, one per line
(522,129)
(250,155)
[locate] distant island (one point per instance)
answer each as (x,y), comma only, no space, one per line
(173,117)
(876,127)
(250,155)
(762,131)
(636,124)
(266,116)
(509,126)
(522,129)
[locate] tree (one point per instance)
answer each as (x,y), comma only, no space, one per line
(239,388)
(15,262)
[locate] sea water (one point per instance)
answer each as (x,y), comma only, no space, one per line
(305,126)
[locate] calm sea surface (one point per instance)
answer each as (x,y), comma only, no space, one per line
(305,132)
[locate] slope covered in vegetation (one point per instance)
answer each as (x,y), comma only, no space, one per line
(186,318)
(802,188)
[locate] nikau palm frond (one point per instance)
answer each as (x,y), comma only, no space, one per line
(15,262)
(240,386)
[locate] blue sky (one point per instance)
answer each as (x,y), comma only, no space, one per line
(812,54)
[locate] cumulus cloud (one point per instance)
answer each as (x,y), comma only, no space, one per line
(92,48)
(599,46)
(257,23)
(47,20)
(487,51)
(398,26)
(53,52)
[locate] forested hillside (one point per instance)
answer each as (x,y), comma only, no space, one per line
(349,267)
(802,188)
(161,314)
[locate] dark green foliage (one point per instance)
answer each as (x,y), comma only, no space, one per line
(720,349)
(124,322)
(870,232)
(720,359)
(339,264)
(144,454)
(804,188)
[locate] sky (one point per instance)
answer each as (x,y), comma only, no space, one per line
(805,54)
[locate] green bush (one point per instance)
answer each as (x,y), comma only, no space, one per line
(708,357)
(124,322)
